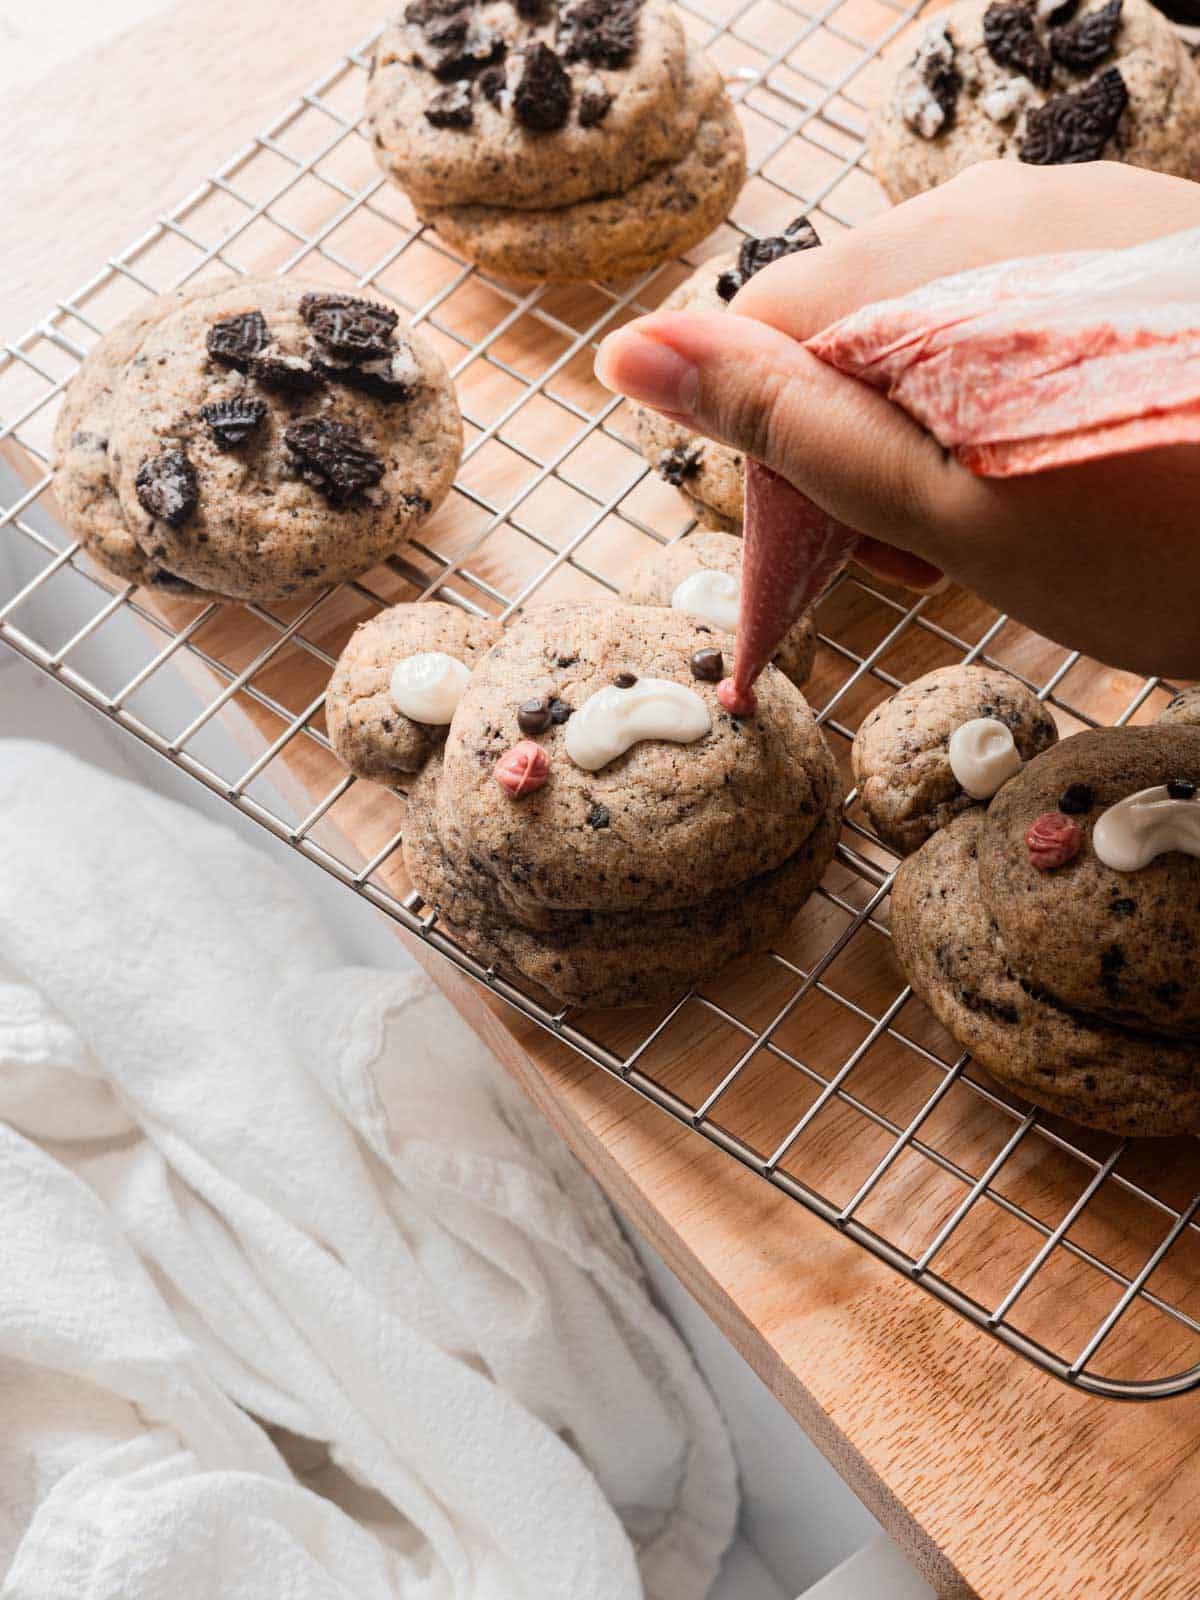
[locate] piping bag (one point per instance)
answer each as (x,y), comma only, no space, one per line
(1017,368)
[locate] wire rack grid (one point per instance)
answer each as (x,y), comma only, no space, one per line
(812,1064)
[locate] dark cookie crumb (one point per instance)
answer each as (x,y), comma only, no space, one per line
(542,98)
(625,680)
(166,487)
(604,33)
(1122,907)
(356,330)
(491,84)
(532,10)
(560,712)
(599,817)
(1010,33)
(593,103)
(1084,44)
(333,458)
(1076,798)
(533,716)
(1075,127)
(423,12)
(567,661)
(755,254)
(708,665)
(1112,964)
(286,374)
(451,108)
(231,422)
(679,464)
(1181,789)
(237,340)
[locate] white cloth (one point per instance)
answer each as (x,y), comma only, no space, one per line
(238,1183)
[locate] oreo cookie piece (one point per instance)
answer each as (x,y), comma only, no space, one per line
(166,486)
(237,340)
(678,465)
(333,458)
(755,254)
(604,33)
(452,108)
(1010,33)
(231,422)
(1075,127)
(354,329)
(542,97)
(285,374)
(1084,44)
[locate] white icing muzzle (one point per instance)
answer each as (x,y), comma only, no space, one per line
(1129,835)
(614,719)
(983,756)
(427,687)
(715,596)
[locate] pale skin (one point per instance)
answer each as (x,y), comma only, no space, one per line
(1103,557)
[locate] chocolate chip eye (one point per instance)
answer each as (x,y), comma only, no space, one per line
(1076,798)
(1181,789)
(708,666)
(560,712)
(625,680)
(533,716)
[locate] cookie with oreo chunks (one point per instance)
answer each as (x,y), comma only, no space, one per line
(275,437)
(1036,82)
(1073,983)
(370,735)
(80,458)
(901,752)
(710,475)
(584,139)
(622,883)
(656,578)
(1183,709)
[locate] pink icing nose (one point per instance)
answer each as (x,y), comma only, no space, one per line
(738,702)
(522,769)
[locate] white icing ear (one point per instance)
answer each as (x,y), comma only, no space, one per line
(427,687)
(1129,835)
(983,756)
(613,719)
(715,596)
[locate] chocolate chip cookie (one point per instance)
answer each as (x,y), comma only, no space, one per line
(709,474)
(557,141)
(598,822)
(1071,979)
(1049,82)
(700,575)
(79,459)
(370,733)
(901,752)
(268,439)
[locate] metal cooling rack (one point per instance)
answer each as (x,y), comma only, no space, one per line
(1070,1248)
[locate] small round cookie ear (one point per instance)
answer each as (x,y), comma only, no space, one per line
(947,742)
(397,684)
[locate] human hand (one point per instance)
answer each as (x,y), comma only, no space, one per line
(1103,556)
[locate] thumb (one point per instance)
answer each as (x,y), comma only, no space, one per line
(841,443)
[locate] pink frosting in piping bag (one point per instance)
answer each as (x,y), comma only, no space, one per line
(1017,367)
(792,551)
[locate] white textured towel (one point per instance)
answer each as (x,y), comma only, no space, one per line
(299,1299)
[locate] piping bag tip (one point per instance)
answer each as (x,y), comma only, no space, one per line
(791,552)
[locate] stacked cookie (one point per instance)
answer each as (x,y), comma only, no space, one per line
(1044,83)
(587,815)
(555,139)
(1056,934)
(711,475)
(253,440)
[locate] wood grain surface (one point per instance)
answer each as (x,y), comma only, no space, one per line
(996,1479)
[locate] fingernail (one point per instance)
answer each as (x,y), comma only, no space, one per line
(645,369)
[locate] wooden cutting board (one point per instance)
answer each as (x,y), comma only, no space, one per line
(996,1479)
